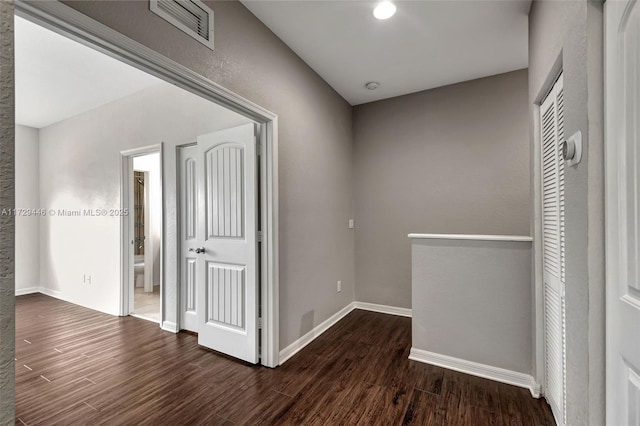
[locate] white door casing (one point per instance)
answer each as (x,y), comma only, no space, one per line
(552,133)
(622,203)
(188,187)
(226,272)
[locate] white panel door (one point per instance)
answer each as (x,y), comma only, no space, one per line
(622,136)
(552,131)
(187,160)
(226,269)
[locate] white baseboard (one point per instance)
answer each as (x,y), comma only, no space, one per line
(481,370)
(170,326)
(383,309)
(27,290)
(60,295)
(54,293)
(296,346)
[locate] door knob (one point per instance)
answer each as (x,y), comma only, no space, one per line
(200,250)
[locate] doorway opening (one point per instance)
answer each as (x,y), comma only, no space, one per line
(64,20)
(142,232)
(145,215)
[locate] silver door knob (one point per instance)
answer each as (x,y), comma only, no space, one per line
(200,250)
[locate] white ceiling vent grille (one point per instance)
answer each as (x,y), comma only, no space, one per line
(191,16)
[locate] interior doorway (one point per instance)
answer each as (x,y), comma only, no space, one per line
(72,24)
(147,233)
(142,232)
(219,229)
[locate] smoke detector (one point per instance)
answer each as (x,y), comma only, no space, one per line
(372,85)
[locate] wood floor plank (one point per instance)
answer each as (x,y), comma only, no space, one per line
(475,415)
(473,391)
(77,366)
(422,409)
(427,378)
(389,407)
(353,402)
(517,413)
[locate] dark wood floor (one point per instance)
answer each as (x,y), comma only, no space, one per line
(78,366)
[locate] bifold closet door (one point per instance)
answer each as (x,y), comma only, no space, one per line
(552,133)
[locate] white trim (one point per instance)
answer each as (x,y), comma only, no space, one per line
(27,290)
(142,317)
(126,257)
(166,326)
(481,370)
(64,20)
(143,150)
(618,198)
(520,238)
(269,249)
(537,270)
(170,326)
(297,346)
(57,294)
(383,309)
(61,296)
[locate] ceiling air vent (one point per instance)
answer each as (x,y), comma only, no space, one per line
(191,16)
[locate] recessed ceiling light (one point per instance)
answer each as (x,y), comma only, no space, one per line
(372,85)
(384,10)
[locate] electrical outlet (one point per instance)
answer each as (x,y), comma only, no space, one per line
(351,224)
(339,286)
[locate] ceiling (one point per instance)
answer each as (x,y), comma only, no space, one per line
(57,78)
(426,44)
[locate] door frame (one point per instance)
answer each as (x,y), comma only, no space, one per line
(616,260)
(127,278)
(64,20)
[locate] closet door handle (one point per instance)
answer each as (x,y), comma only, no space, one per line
(200,250)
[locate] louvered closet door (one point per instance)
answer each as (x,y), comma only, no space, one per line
(552,125)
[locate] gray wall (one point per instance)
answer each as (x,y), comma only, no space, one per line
(27,197)
(472,300)
(315,141)
(7,282)
(448,160)
(567,35)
